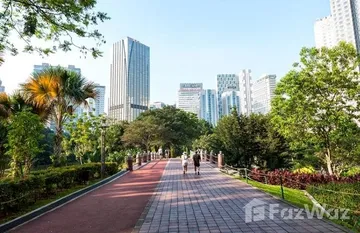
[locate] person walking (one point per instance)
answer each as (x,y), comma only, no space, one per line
(196,160)
(184,162)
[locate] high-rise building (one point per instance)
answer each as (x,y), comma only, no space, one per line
(188,97)
(157,105)
(245,92)
(2,88)
(129,79)
(342,25)
(226,82)
(208,106)
(230,100)
(263,92)
(99,100)
(324,33)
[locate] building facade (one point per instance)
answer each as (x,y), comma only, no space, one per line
(129,79)
(2,88)
(43,66)
(157,105)
(263,92)
(229,101)
(189,97)
(99,100)
(245,92)
(225,82)
(209,106)
(342,25)
(324,33)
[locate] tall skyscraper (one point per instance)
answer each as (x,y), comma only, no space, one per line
(188,97)
(2,88)
(245,92)
(209,106)
(229,100)
(263,92)
(342,25)
(226,82)
(129,79)
(99,100)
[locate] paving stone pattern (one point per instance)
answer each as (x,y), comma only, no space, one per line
(213,202)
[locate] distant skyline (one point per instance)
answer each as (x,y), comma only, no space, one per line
(191,41)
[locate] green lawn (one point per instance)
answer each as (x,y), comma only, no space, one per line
(43,202)
(294,196)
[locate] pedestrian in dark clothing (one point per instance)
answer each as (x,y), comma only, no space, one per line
(196,159)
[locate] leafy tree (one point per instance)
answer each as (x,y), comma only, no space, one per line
(24,135)
(143,133)
(317,102)
(44,158)
(60,21)
(84,133)
(180,128)
(59,91)
(113,142)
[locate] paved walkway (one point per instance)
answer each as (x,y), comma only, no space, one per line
(115,207)
(213,202)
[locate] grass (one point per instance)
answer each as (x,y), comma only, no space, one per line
(44,202)
(294,196)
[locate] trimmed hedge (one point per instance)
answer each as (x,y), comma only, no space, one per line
(299,180)
(16,195)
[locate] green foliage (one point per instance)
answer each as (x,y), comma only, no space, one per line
(17,194)
(59,21)
(167,127)
(84,134)
(353,171)
(338,200)
(316,105)
(4,158)
(43,158)
(113,142)
(24,135)
(305,170)
(250,140)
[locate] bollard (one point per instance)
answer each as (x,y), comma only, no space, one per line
(129,162)
(144,155)
(138,159)
(246,175)
(149,156)
(281,184)
(211,158)
(220,160)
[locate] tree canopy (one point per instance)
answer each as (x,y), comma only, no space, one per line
(316,105)
(58,21)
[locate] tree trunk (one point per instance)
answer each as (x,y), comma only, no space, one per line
(328,161)
(58,141)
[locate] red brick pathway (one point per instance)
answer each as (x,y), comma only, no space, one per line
(115,207)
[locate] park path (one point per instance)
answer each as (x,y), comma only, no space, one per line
(115,207)
(212,202)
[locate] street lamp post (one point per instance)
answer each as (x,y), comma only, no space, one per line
(103,127)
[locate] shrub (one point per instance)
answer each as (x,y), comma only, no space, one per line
(305,170)
(298,180)
(353,171)
(17,194)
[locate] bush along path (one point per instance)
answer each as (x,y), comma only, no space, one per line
(114,207)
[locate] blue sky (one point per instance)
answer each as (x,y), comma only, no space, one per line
(193,40)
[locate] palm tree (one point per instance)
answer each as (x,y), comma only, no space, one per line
(5,105)
(59,91)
